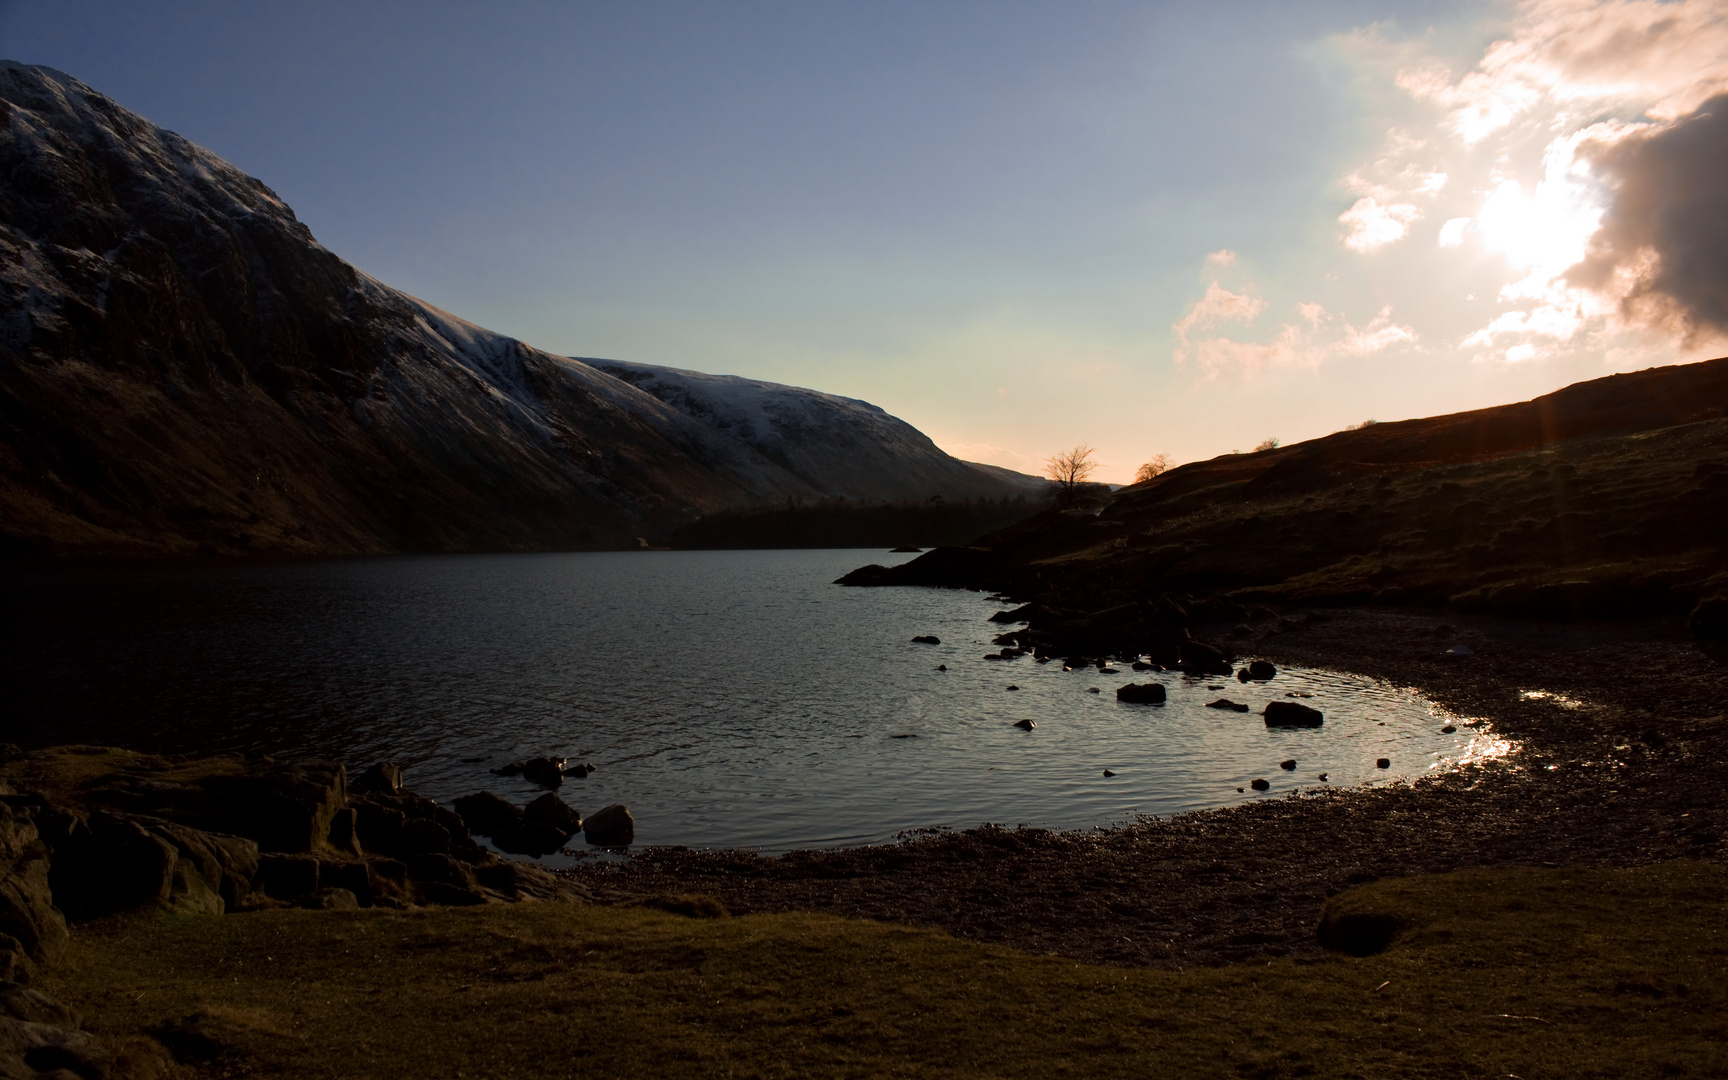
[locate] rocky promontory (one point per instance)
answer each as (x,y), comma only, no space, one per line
(89,833)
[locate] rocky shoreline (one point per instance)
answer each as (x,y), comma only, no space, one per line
(1620,729)
(91,833)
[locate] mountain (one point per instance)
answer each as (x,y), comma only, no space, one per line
(1606,499)
(841,446)
(183,368)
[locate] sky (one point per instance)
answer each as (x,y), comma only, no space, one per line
(1153,228)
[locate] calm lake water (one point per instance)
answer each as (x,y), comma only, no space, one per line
(732,698)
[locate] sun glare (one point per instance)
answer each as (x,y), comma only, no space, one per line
(1547,228)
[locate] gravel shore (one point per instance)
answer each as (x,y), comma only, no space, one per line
(1622,760)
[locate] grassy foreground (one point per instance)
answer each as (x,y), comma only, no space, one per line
(1524,972)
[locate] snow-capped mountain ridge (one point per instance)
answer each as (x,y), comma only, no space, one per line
(184,367)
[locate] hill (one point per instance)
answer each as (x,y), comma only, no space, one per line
(184,368)
(1605,499)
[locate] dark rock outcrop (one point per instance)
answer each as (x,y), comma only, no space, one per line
(610,826)
(1143,694)
(1291,714)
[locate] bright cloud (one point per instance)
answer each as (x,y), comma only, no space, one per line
(1317,337)
(1218,306)
(1373,225)
(1616,96)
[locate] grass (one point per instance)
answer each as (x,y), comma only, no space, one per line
(1525,972)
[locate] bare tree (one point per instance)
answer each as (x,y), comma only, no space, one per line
(1158,466)
(1269,444)
(1069,469)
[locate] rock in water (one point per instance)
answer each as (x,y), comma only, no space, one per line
(1383,763)
(1258,671)
(486,814)
(1145,694)
(1288,765)
(1260,785)
(1291,714)
(545,771)
(1226,703)
(1024,725)
(611,826)
(549,809)
(927,639)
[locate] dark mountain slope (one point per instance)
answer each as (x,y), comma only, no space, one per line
(1604,499)
(183,367)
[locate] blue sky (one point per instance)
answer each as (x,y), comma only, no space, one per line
(1156,228)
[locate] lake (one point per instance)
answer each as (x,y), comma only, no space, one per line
(730,698)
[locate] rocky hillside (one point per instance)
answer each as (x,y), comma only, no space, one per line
(184,368)
(1603,500)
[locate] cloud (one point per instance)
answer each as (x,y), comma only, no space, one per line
(1218,306)
(1372,225)
(1663,59)
(1623,229)
(1318,336)
(1221,257)
(1662,248)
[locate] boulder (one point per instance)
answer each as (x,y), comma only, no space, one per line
(487,814)
(1025,725)
(1260,785)
(545,771)
(331,899)
(1227,704)
(1383,763)
(379,827)
(1258,671)
(1144,694)
(109,864)
(549,809)
(927,639)
(610,826)
(344,835)
(28,915)
(1291,714)
(424,836)
(284,806)
(434,868)
(287,877)
(384,777)
(1288,765)
(1199,658)
(23,1003)
(50,1051)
